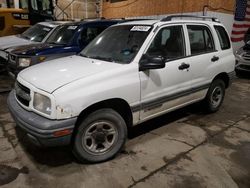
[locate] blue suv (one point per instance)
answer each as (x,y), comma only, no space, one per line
(68,39)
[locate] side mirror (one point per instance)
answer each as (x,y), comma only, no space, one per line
(151,62)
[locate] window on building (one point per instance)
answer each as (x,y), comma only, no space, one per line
(23,4)
(223,37)
(169,43)
(201,40)
(3,4)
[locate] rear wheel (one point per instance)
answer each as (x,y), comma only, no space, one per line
(100,136)
(215,96)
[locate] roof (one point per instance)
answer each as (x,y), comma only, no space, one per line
(194,19)
(54,23)
(141,22)
(91,21)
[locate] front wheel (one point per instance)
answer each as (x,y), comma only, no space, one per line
(100,136)
(215,96)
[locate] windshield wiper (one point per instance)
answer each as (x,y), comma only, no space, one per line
(102,58)
(25,37)
(55,43)
(83,55)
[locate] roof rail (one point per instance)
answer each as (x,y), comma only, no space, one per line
(169,18)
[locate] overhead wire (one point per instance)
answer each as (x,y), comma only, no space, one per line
(121,6)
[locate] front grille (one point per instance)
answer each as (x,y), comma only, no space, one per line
(22,94)
(246,56)
(2,60)
(12,58)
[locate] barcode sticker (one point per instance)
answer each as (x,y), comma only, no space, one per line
(140,28)
(73,27)
(46,29)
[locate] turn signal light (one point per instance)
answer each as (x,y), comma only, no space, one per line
(62,133)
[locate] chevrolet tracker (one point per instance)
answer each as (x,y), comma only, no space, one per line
(130,73)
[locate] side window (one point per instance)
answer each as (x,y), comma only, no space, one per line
(88,34)
(201,40)
(223,37)
(169,43)
(23,4)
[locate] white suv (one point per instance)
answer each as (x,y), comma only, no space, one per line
(130,73)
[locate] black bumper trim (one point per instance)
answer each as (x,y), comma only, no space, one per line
(40,128)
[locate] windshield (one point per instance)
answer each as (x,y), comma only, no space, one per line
(117,44)
(62,35)
(36,33)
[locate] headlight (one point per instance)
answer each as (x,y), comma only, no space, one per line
(3,54)
(42,103)
(24,62)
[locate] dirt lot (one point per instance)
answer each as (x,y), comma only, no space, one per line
(186,148)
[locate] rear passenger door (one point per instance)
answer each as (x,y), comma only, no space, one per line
(202,57)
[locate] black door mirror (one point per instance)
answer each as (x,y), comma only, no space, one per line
(151,62)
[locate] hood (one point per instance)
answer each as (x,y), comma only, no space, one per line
(54,74)
(34,49)
(11,41)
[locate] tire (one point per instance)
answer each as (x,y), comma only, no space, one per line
(215,96)
(100,136)
(238,73)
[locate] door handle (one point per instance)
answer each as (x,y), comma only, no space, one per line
(215,58)
(184,66)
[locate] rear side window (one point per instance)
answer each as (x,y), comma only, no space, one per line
(201,40)
(223,37)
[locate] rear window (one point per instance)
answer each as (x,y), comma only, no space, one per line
(223,37)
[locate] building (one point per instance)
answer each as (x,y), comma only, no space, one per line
(77,9)
(222,9)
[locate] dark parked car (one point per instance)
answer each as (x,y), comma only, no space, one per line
(68,39)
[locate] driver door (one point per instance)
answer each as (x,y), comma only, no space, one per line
(167,88)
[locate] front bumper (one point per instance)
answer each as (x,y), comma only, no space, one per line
(39,130)
(242,65)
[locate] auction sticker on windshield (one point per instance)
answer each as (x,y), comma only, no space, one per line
(72,27)
(46,29)
(140,28)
